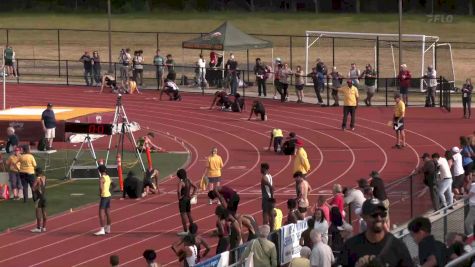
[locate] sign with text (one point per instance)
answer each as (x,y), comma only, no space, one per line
(290,239)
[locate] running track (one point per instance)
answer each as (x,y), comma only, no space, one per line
(336,156)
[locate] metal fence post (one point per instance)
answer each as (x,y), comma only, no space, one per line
(291,57)
(328,91)
(8,36)
(17,72)
(441,91)
(67,72)
(158,40)
(386,91)
(377,63)
(59,54)
(411,192)
(333,50)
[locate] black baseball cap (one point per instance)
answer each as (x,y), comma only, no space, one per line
(425,155)
(49,105)
(371,206)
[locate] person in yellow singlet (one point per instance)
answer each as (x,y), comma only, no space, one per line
(213,168)
(104,204)
(276,137)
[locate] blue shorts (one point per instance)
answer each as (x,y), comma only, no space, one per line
(214,180)
(105,203)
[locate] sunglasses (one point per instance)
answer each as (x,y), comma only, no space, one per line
(382,214)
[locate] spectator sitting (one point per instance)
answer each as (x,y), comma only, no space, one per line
(114,260)
(265,253)
(303,260)
(171,89)
(238,103)
(150,256)
(133,187)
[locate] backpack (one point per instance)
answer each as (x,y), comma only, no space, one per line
(42,144)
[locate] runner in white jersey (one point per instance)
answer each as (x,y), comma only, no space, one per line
(267,190)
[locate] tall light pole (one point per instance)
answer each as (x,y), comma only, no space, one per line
(109,33)
(400,35)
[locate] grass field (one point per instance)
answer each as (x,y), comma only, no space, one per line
(63,195)
(43,45)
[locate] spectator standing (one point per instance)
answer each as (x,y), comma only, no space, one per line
(125,59)
(467,98)
(303,260)
(27,171)
(444,183)
(170,63)
(321,224)
(104,204)
(267,190)
(431,83)
(284,73)
(457,172)
(369,76)
(322,254)
(39,196)
(467,157)
(213,170)
(354,198)
(9,55)
(201,64)
(354,75)
(431,251)
(323,205)
(232,71)
(321,73)
(336,84)
(429,169)
(13,163)
(12,140)
(185,191)
(376,241)
(350,103)
(159,63)
(404,78)
(277,85)
(338,199)
(379,189)
(138,67)
(264,251)
(299,83)
(96,68)
(86,60)
(301,163)
(48,121)
(335,238)
(261,75)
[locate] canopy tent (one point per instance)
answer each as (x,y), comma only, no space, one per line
(226,38)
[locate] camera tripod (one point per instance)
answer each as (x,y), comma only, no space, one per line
(121,117)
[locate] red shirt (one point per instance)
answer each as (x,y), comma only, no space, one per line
(338,201)
(406,81)
(213,58)
(326,211)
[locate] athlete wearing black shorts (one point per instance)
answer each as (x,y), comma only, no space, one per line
(186,189)
(258,109)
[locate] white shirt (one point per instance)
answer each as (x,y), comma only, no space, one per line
(201,63)
(444,168)
(191,260)
(322,255)
(172,85)
(471,199)
(432,78)
(268,177)
(458,164)
(322,228)
(354,74)
(356,198)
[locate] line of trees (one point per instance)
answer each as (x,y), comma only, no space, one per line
(124,6)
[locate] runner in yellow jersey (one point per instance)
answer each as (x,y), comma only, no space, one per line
(104,204)
(276,137)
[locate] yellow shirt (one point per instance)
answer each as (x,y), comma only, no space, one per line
(278,219)
(27,164)
(301,161)
(132,86)
(215,164)
(399,109)
(300,262)
(13,163)
(350,96)
(277,133)
(106,187)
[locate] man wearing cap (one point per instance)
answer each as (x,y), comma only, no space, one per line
(379,190)
(429,169)
(301,163)
(104,204)
(444,183)
(398,121)
(48,122)
(376,241)
(458,172)
(350,103)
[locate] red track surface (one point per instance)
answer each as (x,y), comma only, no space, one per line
(336,156)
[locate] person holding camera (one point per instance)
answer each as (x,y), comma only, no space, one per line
(261,75)
(124,60)
(86,59)
(138,67)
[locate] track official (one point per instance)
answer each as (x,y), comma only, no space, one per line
(350,103)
